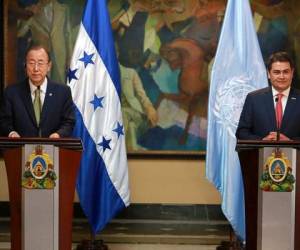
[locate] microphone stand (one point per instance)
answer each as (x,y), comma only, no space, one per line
(277,125)
(278,133)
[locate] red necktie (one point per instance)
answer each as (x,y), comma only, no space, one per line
(279,110)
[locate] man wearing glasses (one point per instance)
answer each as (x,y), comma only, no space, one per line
(37,107)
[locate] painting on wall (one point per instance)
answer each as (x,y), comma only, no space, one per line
(278,29)
(165,50)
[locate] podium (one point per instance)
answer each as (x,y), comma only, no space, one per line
(41,218)
(272,218)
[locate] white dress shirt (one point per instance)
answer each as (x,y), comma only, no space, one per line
(43,88)
(284,98)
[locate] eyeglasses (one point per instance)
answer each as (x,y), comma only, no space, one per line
(33,64)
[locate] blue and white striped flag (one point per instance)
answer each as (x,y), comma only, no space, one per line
(94,79)
(237,70)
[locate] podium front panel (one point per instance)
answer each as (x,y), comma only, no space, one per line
(40,208)
(41,212)
(276,210)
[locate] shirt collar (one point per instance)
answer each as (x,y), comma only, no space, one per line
(43,86)
(285,92)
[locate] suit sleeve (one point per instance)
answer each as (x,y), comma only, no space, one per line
(245,127)
(67,118)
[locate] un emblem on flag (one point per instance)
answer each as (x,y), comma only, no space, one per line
(230,98)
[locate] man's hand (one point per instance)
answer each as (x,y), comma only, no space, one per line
(54,136)
(14,134)
(272,136)
(284,137)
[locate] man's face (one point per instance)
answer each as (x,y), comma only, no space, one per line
(37,65)
(281,75)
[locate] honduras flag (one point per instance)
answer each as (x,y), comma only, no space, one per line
(94,79)
(237,70)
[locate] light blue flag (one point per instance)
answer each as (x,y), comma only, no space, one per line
(94,79)
(237,70)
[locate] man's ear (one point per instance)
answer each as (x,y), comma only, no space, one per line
(25,69)
(49,66)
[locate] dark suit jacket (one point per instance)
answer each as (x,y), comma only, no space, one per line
(17,113)
(258,117)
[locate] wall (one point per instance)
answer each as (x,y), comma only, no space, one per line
(159,181)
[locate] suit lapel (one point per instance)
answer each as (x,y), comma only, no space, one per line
(270,110)
(290,106)
(26,97)
(47,101)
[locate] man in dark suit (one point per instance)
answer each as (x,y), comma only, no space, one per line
(273,113)
(37,106)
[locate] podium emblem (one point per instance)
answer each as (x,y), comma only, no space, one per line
(277,173)
(39,172)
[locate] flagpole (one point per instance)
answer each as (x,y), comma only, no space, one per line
(233,244)
(92,244)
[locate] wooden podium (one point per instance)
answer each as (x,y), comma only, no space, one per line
(41,218)
(272,218)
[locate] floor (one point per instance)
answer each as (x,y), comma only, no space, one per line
(136,246)
(171,230)
(6,246)
(145,235)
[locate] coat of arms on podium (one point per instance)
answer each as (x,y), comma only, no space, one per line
(39,172)
(277,173)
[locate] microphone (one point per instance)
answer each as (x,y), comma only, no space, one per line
(277,123)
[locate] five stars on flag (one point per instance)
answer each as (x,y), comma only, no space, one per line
(97,102)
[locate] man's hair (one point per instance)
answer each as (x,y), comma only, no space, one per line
(37,47)
(280,56)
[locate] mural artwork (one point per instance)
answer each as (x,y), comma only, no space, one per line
(165,50)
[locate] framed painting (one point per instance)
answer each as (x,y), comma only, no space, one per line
(165,51)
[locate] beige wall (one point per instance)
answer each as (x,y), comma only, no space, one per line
(159,181)
(3,182)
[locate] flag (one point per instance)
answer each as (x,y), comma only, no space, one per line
(94,79)
(238,69)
